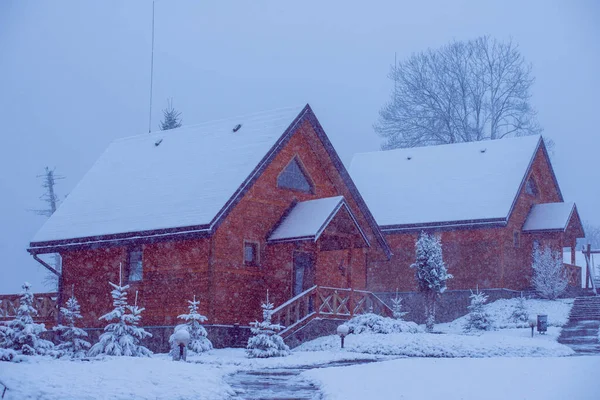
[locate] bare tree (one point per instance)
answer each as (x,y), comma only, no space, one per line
(592,235)
(50,198)
(171,117)
(462,92)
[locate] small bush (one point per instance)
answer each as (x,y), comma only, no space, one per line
(373,323)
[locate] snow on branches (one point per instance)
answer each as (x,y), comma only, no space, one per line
(549,273)
(265,341)
(520,315)
(21,334)
(397,308)
(431,273)
(478,318)
(199,341)
(122,337)
(72,342)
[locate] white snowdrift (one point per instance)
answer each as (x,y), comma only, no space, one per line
(501,312)
(445,345)
(464,379)
(113,378)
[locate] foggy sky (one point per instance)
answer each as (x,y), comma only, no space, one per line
(75,75)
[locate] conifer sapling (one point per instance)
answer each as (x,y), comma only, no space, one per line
(72,342)
(397,308)
(265,341)
(22,334)
(520,314)
(122,337)
(478,318)
(199,341)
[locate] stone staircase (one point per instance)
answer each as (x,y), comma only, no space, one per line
(581,332)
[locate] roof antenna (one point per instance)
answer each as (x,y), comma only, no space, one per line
(151,72)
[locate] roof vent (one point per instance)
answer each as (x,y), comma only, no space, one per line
(237,127)
(483,150)
(159,141)
(409,158)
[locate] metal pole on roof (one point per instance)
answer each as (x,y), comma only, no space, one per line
(151,72)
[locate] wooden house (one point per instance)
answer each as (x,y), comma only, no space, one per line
(227,210)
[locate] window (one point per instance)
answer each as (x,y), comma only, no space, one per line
(531,187)
(294,177)
(135,264)
(251,253)
(516,239)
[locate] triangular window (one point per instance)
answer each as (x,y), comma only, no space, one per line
(294,177)
(531,187)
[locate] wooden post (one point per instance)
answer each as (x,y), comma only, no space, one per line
(588,255)
(573,251)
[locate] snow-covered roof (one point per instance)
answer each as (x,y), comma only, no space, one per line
(308,219)
(444,184)
(177,178)
(548,217)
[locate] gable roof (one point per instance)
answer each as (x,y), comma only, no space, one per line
(177,184)
(448,185)
(308,219)
(549,217)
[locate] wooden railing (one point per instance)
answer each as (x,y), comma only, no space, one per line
(326,302)
(44,303)
(573,274)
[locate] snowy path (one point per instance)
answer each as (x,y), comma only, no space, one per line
(280,383)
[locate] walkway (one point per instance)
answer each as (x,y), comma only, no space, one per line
(280,383)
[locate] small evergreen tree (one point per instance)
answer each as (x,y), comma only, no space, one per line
(22,334)
(478,318)
(122,337)
(72,342)
(549,273)
(265,341)
(199,341)
(431,273)
(172,118)
(520,314)
(397,308)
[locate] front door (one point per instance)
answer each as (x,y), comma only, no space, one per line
(304,271)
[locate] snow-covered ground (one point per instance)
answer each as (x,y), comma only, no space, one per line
(464,379)
(205,376)
(505,343)
(158,377)
(509,339)
(501,310)
(113,378)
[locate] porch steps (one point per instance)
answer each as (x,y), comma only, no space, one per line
(582,330)
(585,308)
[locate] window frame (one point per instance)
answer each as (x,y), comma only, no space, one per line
(531,187)
(130,251)
(256,245)
(303,171)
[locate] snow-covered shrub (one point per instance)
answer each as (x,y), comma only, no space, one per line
(122,338)
(265,342)
(22,334)
(431,273)
(373,323)
(72,343)
(199,341)
(478,318)
(549,273)
(10,355)
(397,308)
(520,315)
